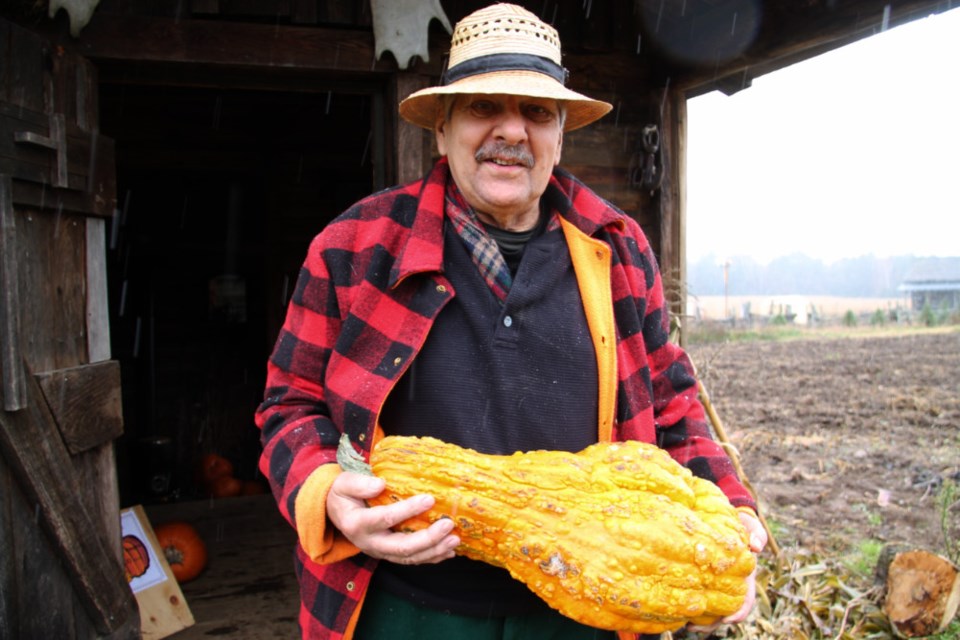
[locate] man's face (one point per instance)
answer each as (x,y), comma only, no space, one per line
(502,150)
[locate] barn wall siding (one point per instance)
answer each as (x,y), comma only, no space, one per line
(59,537)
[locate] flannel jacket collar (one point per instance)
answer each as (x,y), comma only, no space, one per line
(423,249)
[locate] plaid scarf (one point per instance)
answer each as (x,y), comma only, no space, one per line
(482,248)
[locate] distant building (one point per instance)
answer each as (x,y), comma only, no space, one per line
(934,282)
(793,309)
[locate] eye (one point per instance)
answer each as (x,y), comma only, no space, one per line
(538,113)
(482,108)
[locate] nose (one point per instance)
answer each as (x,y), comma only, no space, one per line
(511,126)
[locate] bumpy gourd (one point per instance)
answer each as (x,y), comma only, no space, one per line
(618,536)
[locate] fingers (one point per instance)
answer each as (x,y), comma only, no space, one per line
(755,530)
(740,615)
(357,486)
(748,602)
(430,545)
(371,528)
(390,515)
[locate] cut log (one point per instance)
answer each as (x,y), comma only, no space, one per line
(923,593)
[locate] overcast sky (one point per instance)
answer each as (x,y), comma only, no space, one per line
(852,153)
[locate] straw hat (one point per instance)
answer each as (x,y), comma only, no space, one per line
(504,49)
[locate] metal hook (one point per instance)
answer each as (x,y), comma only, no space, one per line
(650,170)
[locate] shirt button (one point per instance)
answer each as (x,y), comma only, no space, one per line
(441,288)
(397,361)
(351,586)
(507,321)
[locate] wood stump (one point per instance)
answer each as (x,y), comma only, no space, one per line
(922,592)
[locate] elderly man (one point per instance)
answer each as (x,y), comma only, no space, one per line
(498,304)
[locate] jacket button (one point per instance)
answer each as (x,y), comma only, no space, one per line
(397,361)
(351,586)
(441,288)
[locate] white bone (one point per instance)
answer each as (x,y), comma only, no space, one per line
(402,27)
(78,10)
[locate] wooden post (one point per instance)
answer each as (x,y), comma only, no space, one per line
(14,389)
(672,196)
(411,157)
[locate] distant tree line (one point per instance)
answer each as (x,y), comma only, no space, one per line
(865,276)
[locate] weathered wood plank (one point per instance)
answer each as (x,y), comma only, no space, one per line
(411,158)
(231,44)
(671,195)
(41,464)
(52,273)
(14,388)
(85,402)
(89,164)
(601,145)
(98,312)
(9,611)
(21,75)
(30,572)
(42,198)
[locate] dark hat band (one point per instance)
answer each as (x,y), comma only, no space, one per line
(504,62)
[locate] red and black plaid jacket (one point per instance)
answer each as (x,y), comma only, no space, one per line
(368,292)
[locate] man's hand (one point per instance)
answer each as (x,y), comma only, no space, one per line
(757,536)
(369,528)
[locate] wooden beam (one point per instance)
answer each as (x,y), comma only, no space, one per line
(32,447)
(230,44)
(85,403)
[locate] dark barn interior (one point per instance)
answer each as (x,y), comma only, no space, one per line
(220,191)
(226,134)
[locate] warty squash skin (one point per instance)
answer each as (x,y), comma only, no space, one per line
(618,536)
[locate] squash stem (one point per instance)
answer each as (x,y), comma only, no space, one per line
(349,459)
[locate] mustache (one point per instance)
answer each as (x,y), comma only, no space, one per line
(517,153)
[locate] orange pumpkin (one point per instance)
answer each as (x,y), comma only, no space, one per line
(184,549)
(136,559)
(213,466)
(252,488)
(226,487)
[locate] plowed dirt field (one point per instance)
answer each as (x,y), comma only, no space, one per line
(843,439)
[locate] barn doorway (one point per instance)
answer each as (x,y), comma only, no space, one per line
(220,191)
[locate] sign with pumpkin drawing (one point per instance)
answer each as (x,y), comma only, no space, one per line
(140,560)
(153,579)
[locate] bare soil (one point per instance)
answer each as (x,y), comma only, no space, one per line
(843,439)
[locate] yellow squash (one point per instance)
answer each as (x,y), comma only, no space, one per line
(618,536)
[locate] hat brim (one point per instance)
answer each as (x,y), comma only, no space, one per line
(420,108)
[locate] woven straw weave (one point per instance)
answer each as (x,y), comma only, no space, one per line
(486,31)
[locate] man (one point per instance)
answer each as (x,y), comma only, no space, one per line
(498,304)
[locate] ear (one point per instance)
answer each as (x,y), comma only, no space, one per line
(556,161)
(440,135)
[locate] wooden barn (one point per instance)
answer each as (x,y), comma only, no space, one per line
(933,283)
(163,166)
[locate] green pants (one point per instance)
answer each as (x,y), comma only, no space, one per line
(387,617)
